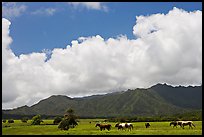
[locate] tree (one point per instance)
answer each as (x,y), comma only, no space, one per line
(71,117)
(64,124)
(57,120)
(36,120)
(69,120)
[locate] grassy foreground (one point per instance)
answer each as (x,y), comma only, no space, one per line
(86,128)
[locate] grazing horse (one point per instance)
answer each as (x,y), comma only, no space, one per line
(124,126)
(174,123)
(147,125)
(179,123)
(104,126)
(185,123)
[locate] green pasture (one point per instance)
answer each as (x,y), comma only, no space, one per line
(87,127)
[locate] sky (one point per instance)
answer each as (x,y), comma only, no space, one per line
(86,48)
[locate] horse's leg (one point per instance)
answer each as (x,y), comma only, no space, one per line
(190,126)
(108,128)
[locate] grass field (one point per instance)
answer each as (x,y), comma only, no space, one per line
(86,128)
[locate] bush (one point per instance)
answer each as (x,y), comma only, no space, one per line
(57,120)
(36,120)
(10,121)
(4,120)
(24,119)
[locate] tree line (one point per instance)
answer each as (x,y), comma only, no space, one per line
(192,116)
(188,116)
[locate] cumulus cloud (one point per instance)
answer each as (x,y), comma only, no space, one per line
(12,9)
(167,49)
(90,5)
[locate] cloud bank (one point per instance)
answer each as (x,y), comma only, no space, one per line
(167,49)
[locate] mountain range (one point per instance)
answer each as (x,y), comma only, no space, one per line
(160,99)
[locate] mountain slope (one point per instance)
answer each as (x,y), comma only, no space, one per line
(157,100)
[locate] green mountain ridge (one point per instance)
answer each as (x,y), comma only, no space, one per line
(160,99)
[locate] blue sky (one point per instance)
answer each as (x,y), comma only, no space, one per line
(35,32)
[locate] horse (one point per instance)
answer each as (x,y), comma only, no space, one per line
(147,125)
(179,123)
(103,126)
(174,123)
(120,125)
(124,126)
(185,123)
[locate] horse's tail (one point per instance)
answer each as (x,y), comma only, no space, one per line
(131,126)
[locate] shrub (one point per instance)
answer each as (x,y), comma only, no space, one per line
(24,119)
(57,120)
(4,120)
(36,120)
(10,121)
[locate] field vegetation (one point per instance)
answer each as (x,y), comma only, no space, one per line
(87,127)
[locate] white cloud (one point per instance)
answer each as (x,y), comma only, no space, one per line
(46,11)
(12,9)
(90,5)
(171,53)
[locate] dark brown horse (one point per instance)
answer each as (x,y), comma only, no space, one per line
(104,126)
(147,125)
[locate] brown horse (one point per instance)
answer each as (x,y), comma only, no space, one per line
(103,126)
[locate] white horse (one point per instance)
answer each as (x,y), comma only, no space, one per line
(124,126)
(185,123)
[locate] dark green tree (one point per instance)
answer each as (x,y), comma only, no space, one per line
(36,120)
(69,120)
(64,124)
